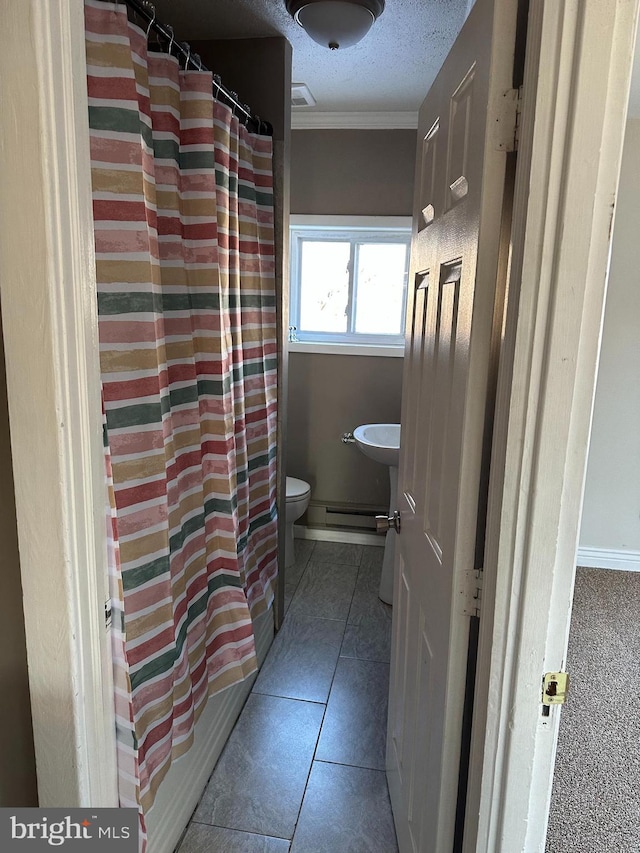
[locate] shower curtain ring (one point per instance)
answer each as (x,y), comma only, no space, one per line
(217,80)
(187,49)
(152,9)
(173,37)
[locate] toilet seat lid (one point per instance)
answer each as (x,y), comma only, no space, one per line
(297,488)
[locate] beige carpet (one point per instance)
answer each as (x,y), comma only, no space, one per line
(595,806)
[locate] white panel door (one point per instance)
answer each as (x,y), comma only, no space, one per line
(456,287)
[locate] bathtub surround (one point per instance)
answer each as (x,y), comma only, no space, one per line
(317,782)
(187,322)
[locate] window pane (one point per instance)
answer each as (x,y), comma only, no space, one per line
(324,286)
(380,288)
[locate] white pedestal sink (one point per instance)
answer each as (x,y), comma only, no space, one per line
(381,442)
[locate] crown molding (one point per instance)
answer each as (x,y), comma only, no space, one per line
(303,119)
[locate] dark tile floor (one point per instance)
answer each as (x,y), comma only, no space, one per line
(303,770)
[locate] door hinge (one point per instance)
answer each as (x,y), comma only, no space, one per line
(518,125)
(107,614)
(473,592)
(508,120)
(555,686)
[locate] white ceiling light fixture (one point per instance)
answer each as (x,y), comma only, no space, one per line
(336,24)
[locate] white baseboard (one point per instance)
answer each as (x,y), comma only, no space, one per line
(604,558)
(595,558)
(352,537)
(185,782)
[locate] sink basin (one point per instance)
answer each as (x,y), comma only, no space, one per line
(380,442)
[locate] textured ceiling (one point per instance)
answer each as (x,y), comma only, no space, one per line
(390,70)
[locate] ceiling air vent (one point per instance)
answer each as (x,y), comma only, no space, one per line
(301,96)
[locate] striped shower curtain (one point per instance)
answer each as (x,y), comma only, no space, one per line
(183,213)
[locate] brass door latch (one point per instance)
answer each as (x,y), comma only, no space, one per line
(555,686)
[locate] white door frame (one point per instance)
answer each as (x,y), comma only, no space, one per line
(578,66)
(47,283)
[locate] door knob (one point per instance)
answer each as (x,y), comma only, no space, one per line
(391,522)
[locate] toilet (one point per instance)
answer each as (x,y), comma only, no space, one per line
(298,496)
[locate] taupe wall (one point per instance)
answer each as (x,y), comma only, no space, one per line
(611,515)
(330,395)
(353,172)
(259,70)
(17,760)
(345,172)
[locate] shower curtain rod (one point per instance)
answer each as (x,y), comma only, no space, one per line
(146,10)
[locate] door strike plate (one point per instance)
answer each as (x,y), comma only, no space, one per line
(555,686)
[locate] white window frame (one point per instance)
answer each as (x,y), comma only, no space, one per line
(364,229)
